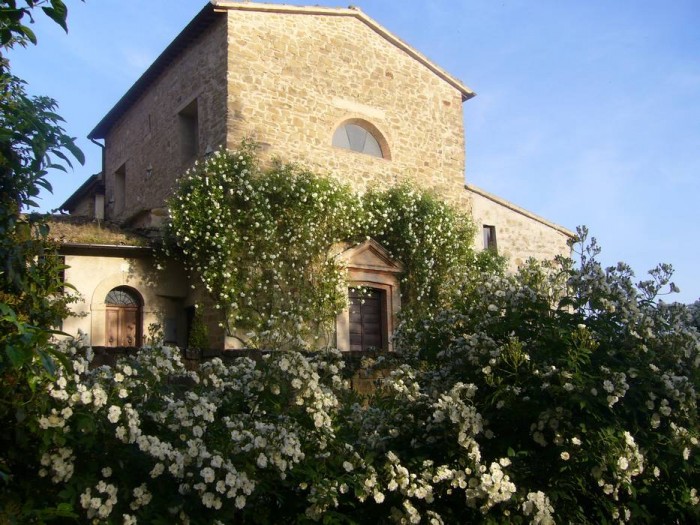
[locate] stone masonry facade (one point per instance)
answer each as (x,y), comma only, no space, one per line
(287,77)
(145,142)
(294,78)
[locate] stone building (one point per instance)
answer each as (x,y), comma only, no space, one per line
(326,87)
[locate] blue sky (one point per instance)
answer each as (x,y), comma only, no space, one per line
(587,112)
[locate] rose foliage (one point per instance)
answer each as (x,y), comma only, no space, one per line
(563,393)
(264,243)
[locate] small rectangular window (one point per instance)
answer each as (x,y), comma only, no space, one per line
(490,238)
(189,131)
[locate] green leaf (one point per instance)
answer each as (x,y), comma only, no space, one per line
(33,381)
(48,363)
(58,13)
(85,423)
(60,357)
(76,151)
(28,33)
(5,37)
(54,166)
(18,356)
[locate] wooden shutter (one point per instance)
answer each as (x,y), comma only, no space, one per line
(366,319)
(112,328)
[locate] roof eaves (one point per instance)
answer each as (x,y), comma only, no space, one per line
(108,250)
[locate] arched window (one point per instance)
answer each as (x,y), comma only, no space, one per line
(361,136)
(122,296)
(123,317)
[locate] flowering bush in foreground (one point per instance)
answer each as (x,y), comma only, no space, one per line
(584,380)
(281,439)
(562,394)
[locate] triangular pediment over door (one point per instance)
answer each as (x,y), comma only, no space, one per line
(371,316)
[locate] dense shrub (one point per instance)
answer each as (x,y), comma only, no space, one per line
(563,393)
(33,297)
(281,439)
(585,381)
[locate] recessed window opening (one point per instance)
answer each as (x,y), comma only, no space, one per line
(490,238)
(189,131)
(361,136)
(123,317)
(120,188)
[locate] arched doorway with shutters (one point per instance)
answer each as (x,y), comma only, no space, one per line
(123,317)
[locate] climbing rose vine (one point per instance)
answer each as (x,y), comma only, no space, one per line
(259,241)
(263,244)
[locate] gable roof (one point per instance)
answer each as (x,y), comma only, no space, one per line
(209,14)
(353,12)
(94,184)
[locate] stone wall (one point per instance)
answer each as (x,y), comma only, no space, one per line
(287,77)
(519,233)
(294,78)
(85,207)
(148,134)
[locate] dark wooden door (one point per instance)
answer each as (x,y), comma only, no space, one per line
(366,319)
(122,326)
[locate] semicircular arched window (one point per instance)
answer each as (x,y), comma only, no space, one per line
(360,136)
(122,297)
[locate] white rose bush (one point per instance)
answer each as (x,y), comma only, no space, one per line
(583,379)
(564,393)
(280,439)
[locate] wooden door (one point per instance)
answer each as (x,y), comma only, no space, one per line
(366,319)
(122,326)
